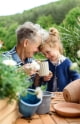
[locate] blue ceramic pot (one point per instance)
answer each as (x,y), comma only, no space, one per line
(28,104)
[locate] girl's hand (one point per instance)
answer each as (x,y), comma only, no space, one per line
(48,77)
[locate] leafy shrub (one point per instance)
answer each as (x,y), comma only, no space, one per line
(45,21)
(71,40)
(72,18)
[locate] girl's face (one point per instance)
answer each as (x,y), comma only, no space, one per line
(51,53)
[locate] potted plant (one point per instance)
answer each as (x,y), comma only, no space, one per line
(12,79)
(29,103)
(12,83)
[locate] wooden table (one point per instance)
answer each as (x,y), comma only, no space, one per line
(50,118)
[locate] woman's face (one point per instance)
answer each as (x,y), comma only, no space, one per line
(51,53)
(32,47)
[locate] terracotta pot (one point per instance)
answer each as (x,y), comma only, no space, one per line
(71,92)
(79,98)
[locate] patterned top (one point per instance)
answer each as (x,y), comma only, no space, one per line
(13,54)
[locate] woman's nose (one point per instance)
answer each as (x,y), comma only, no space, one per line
(47,56)
(36,50)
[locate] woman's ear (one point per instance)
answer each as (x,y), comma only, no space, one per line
(25,42)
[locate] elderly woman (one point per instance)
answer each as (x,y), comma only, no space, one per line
(28,41)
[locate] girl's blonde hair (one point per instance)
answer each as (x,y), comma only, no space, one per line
(53,40)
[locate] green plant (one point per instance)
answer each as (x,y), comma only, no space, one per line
(72,18)
(45,21)
(12,79)
(71,39)
(76,64)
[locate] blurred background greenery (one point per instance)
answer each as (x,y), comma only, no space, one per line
(63,14)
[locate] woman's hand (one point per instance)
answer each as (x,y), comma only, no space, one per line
(48,77)
(29,69)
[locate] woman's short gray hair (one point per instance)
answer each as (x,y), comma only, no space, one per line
(30,30)
(26,31)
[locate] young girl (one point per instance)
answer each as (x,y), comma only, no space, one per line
(59,65)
